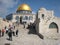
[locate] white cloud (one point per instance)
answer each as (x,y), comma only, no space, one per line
(5,5)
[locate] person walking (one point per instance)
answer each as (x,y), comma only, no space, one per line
(0,33)
(24,25)
(6,30)
(10,34)
(13,33)
(17,32)
(3,30)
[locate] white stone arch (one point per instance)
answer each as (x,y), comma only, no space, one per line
(54,23)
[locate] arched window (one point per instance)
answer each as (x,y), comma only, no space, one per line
(25,18)
(43,16)
(17,18)
(30,18)
(54,26)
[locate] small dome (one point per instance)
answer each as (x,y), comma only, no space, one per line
(24,7)
(42,9)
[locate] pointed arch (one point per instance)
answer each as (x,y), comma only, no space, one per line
(53,25)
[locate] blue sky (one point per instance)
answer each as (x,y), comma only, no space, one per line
(10,6)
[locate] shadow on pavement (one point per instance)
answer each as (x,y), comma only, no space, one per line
(31,30)
(7,44)
(8,39)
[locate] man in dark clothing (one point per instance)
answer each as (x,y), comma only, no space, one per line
(0,33)
(17,32)
(10,34)
(13,33)
(24,25)
(3,30)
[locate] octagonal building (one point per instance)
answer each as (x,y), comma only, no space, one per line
(23,14)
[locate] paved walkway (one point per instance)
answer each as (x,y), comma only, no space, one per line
(26,38)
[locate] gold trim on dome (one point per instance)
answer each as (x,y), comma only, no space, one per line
(24,7)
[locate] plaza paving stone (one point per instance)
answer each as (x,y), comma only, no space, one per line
(27,39)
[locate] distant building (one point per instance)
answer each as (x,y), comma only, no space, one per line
(23,14)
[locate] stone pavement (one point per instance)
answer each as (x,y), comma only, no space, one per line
(26,38)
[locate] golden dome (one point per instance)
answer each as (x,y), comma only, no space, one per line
(24,7)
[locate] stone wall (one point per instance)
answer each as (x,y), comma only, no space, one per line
(45,21)
(3,23)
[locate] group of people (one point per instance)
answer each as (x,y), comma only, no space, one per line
(9,31)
